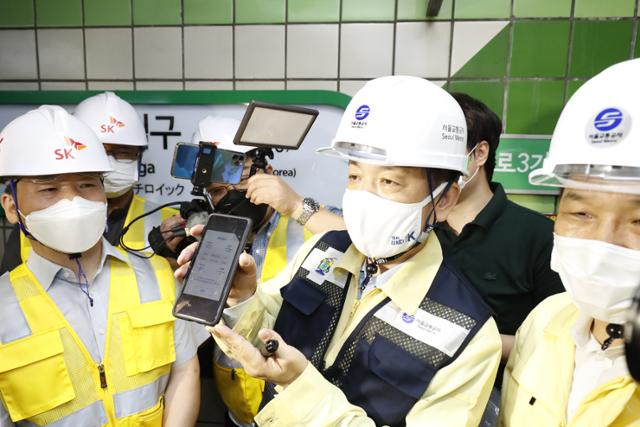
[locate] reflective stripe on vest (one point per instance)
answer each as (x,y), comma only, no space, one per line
(136,237)
(14,324)
(242,393)
(385,365)
(283,244)
(47,377)
(25,246)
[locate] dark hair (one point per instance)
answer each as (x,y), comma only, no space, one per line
(442,175)
(482,125)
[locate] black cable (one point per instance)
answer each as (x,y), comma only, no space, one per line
(125,229)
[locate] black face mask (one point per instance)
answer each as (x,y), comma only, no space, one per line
(236,203)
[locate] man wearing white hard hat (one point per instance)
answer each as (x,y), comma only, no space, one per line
(283,221)
(118,126)
(373,326)
(568,365)
(86,331)
(120,129)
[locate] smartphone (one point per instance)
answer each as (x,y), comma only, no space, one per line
(226,165)
(213,267)
(184,160)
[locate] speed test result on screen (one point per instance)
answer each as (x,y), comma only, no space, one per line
(212,269)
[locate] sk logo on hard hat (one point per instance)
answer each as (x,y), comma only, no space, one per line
(113,123)
(67,153)
(75,144)
(116,122)
(608,126)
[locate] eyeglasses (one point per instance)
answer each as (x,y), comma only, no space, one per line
(123,154)
(94,178)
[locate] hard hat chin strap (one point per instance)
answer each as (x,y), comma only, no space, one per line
(373,263)
(430,226)
(12,187)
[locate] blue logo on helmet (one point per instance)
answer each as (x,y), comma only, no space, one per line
(608,119)
(362,112)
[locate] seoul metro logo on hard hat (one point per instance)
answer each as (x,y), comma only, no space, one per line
(608,126)
(608,119)
(360,116)
(362,112)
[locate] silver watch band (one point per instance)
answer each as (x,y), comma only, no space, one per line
(309,207)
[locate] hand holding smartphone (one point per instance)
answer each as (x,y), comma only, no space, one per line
(212,270)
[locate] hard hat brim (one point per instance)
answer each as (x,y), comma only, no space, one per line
(551,176)
(436,163)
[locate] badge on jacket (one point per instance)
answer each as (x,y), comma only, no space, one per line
(321,267)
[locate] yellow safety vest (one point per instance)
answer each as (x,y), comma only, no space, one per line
(46,373)
(240,392)
(136,237)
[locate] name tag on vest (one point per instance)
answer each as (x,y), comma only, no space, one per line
(425,327)
(321,264)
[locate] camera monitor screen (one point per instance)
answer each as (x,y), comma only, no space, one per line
(275,126)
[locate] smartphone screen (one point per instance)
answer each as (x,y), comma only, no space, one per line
(212,265)
(227,165)
(184,160)
(212,269)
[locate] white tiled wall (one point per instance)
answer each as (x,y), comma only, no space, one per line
(223,57)
(259,52)
(61,53)
(422,48)
(366,50)
(158,52)
(312,51)
(321,56)
(109,53)
(208,52)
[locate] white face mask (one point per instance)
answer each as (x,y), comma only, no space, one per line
(121,179)
(381,228)
(462,182)
(600,277)
(69,226)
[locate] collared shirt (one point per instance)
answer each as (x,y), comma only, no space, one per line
(540,375)
(457,394)
(594,367)
(505,253)
(90,323)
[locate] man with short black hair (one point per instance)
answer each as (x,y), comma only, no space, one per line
(503,248)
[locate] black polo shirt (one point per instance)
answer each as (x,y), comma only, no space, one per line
(505,253)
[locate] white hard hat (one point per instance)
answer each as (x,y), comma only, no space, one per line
(220,130)
(49,141)
(596,142)
(113,119)
(402,121)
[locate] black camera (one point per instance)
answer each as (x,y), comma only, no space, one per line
(264,127)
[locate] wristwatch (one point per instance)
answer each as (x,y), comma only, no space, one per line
(309,207)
